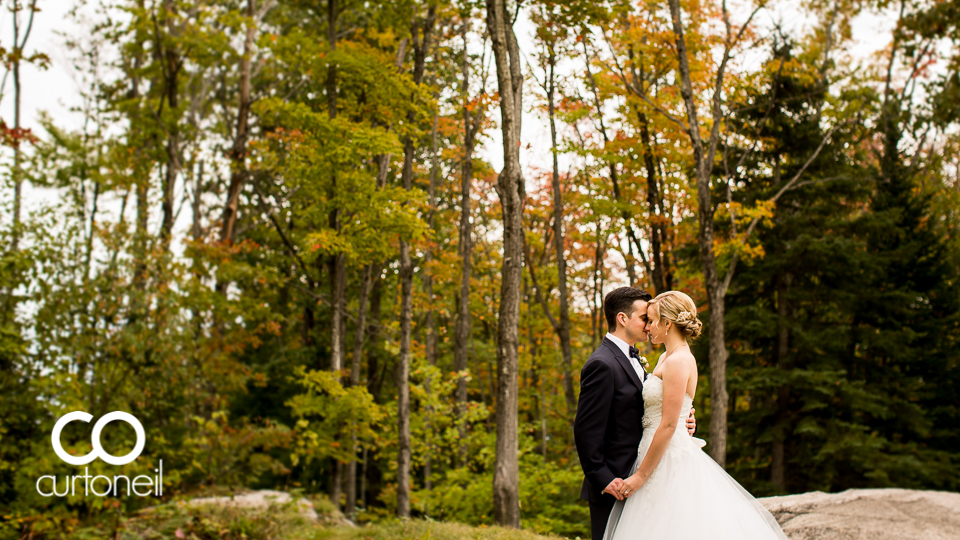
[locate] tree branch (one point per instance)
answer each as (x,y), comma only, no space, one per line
(753,224)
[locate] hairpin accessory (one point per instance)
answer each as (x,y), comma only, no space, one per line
(686,316)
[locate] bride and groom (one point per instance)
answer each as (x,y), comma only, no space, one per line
(646,476)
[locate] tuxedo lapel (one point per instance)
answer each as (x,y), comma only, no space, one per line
(624,363)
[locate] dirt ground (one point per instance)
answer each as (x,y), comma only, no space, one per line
(868,514)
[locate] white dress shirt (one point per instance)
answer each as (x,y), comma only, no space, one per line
(625,347)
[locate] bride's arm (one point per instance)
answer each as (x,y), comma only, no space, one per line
(675,375)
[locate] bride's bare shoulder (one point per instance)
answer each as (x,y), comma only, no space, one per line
(681,360)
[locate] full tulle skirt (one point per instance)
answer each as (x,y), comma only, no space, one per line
(689,497)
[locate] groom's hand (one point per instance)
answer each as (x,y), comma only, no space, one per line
(691,423)
(614,488)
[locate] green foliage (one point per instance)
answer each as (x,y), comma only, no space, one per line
(324,177)
(329,415)
(842,334)
(549,497)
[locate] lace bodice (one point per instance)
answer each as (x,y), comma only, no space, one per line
(653,404)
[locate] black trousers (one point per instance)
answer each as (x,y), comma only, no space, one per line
(599,513)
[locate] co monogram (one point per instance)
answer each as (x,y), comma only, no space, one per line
(98,451)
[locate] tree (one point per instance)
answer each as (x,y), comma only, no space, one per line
(550,31)
(13,60)
(473,114)
(238,169)
(510,189)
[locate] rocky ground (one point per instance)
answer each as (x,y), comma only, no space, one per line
(868,514)
(259,500)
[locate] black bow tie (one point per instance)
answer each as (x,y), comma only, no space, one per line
(635,353)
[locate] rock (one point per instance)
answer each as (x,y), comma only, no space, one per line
(261,499)
(868,514)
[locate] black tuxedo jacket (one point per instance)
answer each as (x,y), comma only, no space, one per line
(608,426)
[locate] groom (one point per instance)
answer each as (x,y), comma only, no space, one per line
(607,429)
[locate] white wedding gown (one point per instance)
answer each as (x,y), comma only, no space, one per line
(688,496)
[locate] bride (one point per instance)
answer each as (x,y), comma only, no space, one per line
(676,491)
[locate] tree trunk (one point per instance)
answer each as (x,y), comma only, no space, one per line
(336,482)
(632,239)
(658,261)
(463,325)
(596,299)
(363,480)
(510,188)
(654,207)
(350,483)
(19,44)
(563,328)
(331,86)
(431,322)
(358,337)
(660,274)
(238,167)
(420,47)
(778,461)
(17,153)
(374,380)
(171,66)
(403,364)
(197,230)
(338,286)
(142,234)
(715,290)
(351,480)
(337,263)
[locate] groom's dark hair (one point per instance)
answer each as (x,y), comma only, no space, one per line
(622,300)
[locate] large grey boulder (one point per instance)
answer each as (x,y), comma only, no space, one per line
(868,514)
(258,500)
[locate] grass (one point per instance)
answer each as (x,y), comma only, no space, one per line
(210,522)
(425,530)
(178,521)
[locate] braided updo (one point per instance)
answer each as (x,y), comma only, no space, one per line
(678,308)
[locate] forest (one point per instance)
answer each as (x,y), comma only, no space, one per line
(360,248)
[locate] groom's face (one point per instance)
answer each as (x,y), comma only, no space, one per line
(635,323)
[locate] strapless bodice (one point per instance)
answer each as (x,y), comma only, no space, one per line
(653,404)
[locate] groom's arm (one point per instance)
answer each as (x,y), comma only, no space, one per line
(590,425)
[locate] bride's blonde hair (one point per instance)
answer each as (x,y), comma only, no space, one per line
(678,308)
